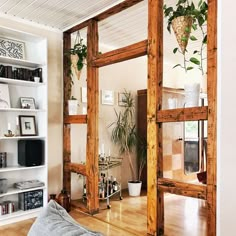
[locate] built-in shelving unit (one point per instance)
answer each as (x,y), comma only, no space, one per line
(35,57)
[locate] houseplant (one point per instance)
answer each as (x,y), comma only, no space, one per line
(78,55)
(124,135)
(184,18)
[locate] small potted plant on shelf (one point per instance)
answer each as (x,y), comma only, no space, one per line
(124,135)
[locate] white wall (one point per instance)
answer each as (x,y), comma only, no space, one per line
(54,98)
(226,119)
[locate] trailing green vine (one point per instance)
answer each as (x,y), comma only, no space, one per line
(199,19)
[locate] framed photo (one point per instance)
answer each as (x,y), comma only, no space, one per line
(107,97)
(4,96)
(27,103)
(27,126)
(12,48)
(121,99)
(83,94)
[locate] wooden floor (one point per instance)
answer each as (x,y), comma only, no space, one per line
(183,217)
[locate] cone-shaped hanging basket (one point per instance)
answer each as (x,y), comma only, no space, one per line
(75,71)
(182,28)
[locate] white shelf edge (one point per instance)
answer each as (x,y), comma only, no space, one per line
(20,168)
(12,191)
(21,137)
(21,110)
(20,62)
(20,213)
(21,82)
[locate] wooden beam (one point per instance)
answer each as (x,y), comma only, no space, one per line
(155,199)
(66,78)
(76,168)
(111,11)
(212,116)
(121,54)
(66,158)
(66,129)
(181,188)
(75,119)
(92,120)
(182,114)
(116,9)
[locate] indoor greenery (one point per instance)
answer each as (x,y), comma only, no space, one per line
(199,18)
(124,129)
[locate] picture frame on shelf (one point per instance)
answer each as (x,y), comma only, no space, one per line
(83,94)
(27,126)
(107,97)
(121,99)
(27,103)
(4,96)
(12,48)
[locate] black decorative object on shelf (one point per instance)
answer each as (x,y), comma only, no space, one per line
(31,200)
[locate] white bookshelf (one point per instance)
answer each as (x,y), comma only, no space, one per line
(35,57)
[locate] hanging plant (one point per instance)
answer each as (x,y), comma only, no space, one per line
(78,55)
(183,19)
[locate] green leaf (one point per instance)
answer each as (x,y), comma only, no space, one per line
(184,39)
(176,66)
(193,38)
(194,26)
(200,20)
(175,50)
(195,60)
(187,29)
(205,40)
(200,2)
(168,11)
(190,68)
(196,51)
(180,2)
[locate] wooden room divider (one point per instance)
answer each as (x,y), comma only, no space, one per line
(153,48)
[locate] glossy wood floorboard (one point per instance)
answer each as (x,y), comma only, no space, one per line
(183,217)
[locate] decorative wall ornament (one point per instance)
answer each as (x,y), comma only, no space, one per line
(12,48)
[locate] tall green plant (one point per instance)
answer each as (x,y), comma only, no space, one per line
(124,129)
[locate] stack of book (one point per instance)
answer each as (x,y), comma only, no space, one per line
(29,184)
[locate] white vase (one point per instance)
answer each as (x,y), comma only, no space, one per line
(134,188)
(192,93)
(73,107)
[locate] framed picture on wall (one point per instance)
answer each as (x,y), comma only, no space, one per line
(27,126)
(4,96)
(121,99)
(107,97)
(12,48)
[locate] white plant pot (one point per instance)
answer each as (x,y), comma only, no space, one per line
(192,93)
(73,107)
(134,188)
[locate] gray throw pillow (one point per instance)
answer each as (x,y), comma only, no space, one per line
(55,221)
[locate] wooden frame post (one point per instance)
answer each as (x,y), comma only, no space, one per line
(92,119)
(155,203)
(212,115)
(66,127)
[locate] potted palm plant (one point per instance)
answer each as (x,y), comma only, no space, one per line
(124,135)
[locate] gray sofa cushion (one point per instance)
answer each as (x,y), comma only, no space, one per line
(55,221)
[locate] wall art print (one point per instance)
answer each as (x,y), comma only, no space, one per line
(12,48)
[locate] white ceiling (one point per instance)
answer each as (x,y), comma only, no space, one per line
(122,29)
